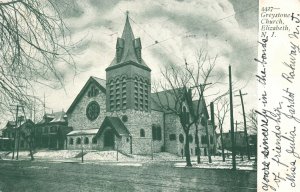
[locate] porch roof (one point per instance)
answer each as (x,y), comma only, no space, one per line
(83,132)
(116,124)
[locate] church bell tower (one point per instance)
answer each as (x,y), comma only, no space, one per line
(128,78)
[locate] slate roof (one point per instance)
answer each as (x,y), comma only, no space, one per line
(100,83)
(115,123)
(54,118)
(163,98)
(167,98)
(129,54)
(83,132)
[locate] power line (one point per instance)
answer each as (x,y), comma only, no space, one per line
(218,20)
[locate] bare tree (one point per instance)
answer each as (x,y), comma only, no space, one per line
(173,97)
(177,96)
(252,118)
(33,45)
(200,75)
(222,110)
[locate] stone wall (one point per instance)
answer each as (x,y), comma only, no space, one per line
(123,144)
(173,126)
(142,145)
(138,120)
(78,119)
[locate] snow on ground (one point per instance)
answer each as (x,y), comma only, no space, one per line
(105,156)
(56,155)
(94,156)
(21,155)
(217,163)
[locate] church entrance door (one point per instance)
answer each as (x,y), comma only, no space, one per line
(109,139)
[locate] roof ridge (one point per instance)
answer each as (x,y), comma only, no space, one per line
(98,78)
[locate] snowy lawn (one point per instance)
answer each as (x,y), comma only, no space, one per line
(217,163)
(93,156)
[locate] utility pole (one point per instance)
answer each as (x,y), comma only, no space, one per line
(236,134)
(207,136)
(19,129)
(15,134)
(232,121)
(117,150)
(81,147)
(151,149)
(245,125)
(212,116)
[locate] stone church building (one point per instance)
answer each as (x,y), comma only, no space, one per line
(119,113)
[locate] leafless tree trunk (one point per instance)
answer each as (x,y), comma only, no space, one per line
(172,99)
(222,110)
(200,75)
(177,94)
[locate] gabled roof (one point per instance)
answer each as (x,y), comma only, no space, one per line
(129,55)
(28,121)
(168,98)
(100,83)
(116,124)
(163,98)
(54,118)
(59,117)
(10,124)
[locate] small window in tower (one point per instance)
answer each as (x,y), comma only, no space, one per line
(142,133)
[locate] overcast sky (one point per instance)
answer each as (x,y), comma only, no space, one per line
(227,28)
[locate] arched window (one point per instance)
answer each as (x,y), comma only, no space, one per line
(86,140)
(71,141)
(181,138)
(185,115)
(142,133)
(156,132)
(78,141)
(94,140)
(211,139)
(203,139)
(190,138)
